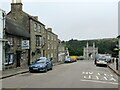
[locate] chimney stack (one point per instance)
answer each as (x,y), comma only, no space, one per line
(49,29)
(16,5)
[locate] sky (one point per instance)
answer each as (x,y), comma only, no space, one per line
(74,19)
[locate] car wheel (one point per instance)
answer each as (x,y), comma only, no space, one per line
(46,69)
(51,68)
(30,71)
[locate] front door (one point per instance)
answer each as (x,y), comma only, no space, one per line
(18,57)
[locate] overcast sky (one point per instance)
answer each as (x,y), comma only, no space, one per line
(78,19)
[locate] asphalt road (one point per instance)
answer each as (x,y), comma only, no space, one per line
(81,74)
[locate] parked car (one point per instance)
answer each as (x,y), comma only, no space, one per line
(41,65)
(101,61)
(74,58)
(95,60)
(42,58)
(109,60)
(68,60)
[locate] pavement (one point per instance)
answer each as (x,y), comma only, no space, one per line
(20,70)
(112,66)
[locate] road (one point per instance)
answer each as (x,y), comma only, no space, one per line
(81,74)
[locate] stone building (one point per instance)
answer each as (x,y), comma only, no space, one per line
(37,39)
(62,52)
(90,52)
(15,33)
(52,45)
(21,29)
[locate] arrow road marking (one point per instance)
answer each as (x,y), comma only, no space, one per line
(97,77)
(112,79)
(105,74)
(105,78)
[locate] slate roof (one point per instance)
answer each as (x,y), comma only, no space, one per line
(16,28)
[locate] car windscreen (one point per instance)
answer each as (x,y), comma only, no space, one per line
(41,61)
(102,59)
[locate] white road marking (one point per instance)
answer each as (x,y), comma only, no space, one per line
(90,72)
(105,74)
(83,72)
(84,76)
(112,79)
(111,75)
(97,77)
(105,78)
(98,73)
(99,81)
(90,77)
(86,72)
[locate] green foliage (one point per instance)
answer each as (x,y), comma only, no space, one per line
(75,47)
(80,58)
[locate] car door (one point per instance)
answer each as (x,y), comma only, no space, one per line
(48,64)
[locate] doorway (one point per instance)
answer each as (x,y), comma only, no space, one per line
(18,57)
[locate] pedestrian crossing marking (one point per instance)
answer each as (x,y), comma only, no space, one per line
(98,76)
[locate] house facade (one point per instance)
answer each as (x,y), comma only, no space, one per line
(37,39)
(62,52)
(17,47)
(52,45)
(2,40)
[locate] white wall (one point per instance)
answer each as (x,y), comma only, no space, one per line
(1,37)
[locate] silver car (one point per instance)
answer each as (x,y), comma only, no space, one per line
(101,61)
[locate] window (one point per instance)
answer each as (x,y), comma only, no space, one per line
(35,27)
(43,41)
(52,46)
(55,46)
(51,37)
(38,41)
(39,28)
(11,41)
(9,58)
(48,46)
(51,54)
(48,37)
(19,42)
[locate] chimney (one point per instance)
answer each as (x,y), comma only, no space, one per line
(16,5)
(36,17)
(49,29)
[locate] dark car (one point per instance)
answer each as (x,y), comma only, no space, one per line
(68,60)
(41,65)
